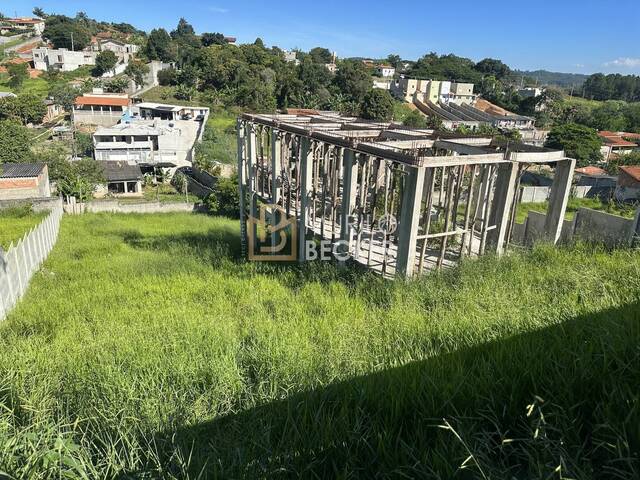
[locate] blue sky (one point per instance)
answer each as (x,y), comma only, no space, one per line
(582,36)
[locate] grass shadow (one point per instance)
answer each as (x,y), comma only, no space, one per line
(563,397)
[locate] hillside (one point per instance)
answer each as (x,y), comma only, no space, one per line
(545,77)
(145,348)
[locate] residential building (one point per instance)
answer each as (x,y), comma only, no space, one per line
(618,143)
(124,51)
(385,71)
(150,111)
(24,180)
(291,56)
(53,111)
(382,84)
(35,25)
(530,92)
(410,89)
(62,59)
(122,180)
(230,40)
(101,109)
(148,143)
(628,184)
(7,95)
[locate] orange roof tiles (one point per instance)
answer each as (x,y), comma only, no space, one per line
(102,101)
(632,171)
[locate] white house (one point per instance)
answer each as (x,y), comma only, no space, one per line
(61,59)
(385,71)
(36,25)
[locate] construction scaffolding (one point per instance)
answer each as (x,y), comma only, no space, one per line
(398,200)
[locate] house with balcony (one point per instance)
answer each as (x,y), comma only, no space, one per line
(147,143)
(102,109)
(27,24)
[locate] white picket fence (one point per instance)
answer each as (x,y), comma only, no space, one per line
(21,261)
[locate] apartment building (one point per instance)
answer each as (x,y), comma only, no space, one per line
(410,89)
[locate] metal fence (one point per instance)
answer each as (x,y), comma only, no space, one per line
(21,261)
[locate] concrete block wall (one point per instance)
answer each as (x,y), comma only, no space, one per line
(587,224)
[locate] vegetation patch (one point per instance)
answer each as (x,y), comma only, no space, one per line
(146,348)
(15,222)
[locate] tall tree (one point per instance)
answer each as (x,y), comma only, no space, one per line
(160,46)
(209,39)
(136,71)
(105,62)
(353,79)
(25,108)
(18,73)
(15,141)
(377,105)
(578,141)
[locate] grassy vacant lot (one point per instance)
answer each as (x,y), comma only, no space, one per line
(627,211)
(145,348)
(15,222)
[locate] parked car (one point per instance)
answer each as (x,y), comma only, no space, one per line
(187,116)
(200,118)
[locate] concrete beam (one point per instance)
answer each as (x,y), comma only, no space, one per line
(558,199)
(503,199)
(409,220)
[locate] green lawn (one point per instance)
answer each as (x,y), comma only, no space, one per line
(627,211)
(146,349)
(38,86)
(15,222)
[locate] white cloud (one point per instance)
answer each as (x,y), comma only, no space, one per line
(626,62)
(579,65)
(218,10)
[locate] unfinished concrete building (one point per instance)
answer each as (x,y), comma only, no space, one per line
(399,201)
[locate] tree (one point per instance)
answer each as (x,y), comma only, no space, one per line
(321,55)
(160,46)
(353,80)
(395,61)
(415,119)
(105,62)
(117,85)
(40,13)
(225,199)
(79,178)
(15,141)
(184,92)
(183,30)
(209,39)
(18,73)
(491,66)
(25,108)
(168,77)
(137,70)
(64,95)
(377,105)
(64,32)
(626,160)
(188,76)
(578,141)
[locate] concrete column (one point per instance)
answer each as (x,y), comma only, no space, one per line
(276,165)
(251,162)
(306,178)
(349,190)
(503,199)
(409,220)
(558,199)
(240,127)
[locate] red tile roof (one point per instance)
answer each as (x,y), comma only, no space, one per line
(102,101)
(632,171)
(591,170)
(31,21)
(614,139)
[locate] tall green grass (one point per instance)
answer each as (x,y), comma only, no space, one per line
(15,222)
(622,210)
(145,348)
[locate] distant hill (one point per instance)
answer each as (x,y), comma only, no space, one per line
(544,77)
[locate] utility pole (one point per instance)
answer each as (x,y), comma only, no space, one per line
(72,45)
